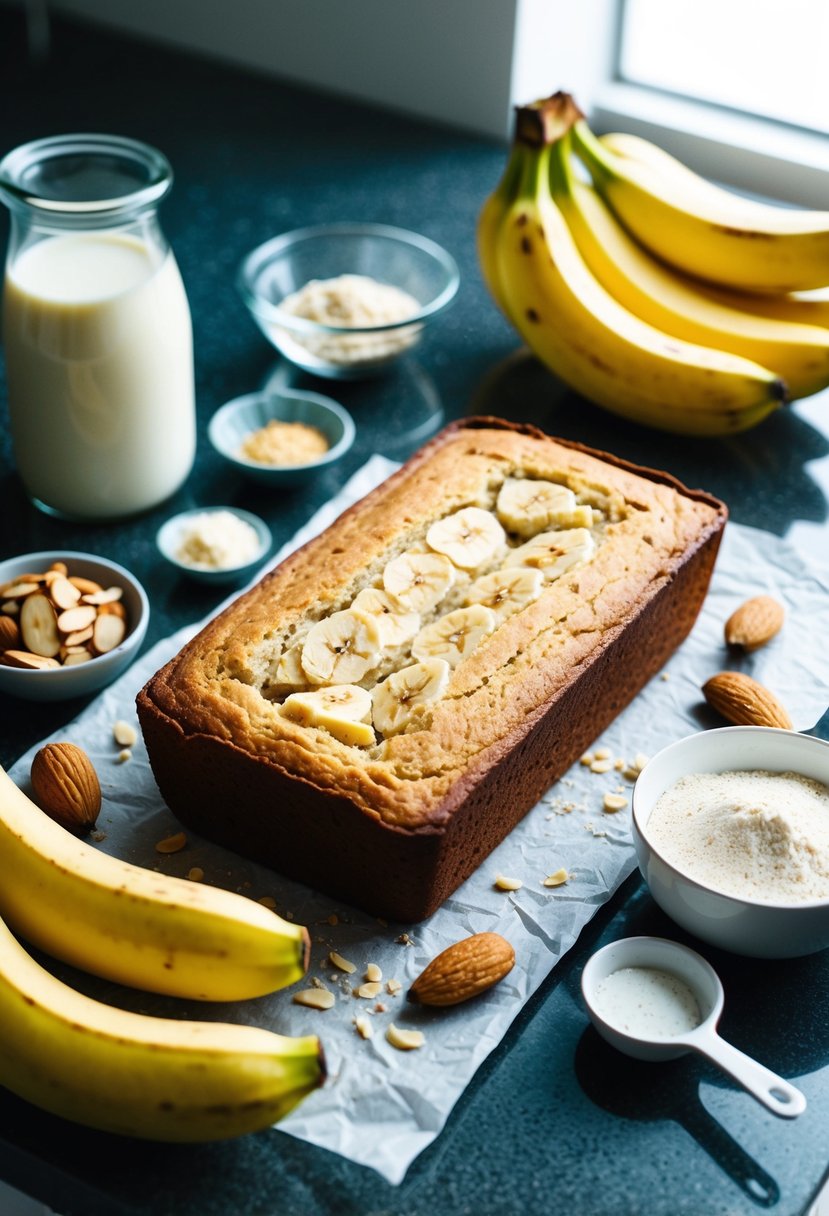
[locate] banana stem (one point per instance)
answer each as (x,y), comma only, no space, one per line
(591,151)
(561,169)
(535,172)
(545,121)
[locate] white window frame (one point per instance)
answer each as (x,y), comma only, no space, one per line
(579,47)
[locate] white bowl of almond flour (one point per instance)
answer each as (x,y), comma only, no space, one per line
(731,829)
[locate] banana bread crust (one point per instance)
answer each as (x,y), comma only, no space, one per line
(396,826)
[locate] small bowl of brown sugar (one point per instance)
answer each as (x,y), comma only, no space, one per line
(281,439)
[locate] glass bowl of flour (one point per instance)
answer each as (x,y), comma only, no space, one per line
(731,829)
(345,301)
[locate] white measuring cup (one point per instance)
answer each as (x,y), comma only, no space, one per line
(659,954)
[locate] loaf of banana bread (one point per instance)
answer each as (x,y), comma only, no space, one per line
(381,709)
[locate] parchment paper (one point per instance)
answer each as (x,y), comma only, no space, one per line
(380,1106)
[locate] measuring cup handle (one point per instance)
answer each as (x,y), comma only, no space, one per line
(777,1095)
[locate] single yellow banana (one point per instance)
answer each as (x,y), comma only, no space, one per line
(489,225)
(133,925)
(798,354)
(156,1078)
(596,345)
(707,231)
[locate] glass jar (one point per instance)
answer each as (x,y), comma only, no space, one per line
(96,328)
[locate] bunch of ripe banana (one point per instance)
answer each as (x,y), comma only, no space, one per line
(654,293)
(123,1072)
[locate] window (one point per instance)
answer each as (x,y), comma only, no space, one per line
(761,57)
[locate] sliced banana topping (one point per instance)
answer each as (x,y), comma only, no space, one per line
(401,698)
(454,636)
(526,507)
(554,553)
(506,591)
(344,710)
(342,648)
(417,582)
(468,537)
(396,628)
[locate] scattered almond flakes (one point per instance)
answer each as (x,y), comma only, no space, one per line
(404,1040)
(363,1027)
(315,982)
(393,987)
(124,755)
(619,764)
(267,901)
(587,759)
(508,884)
(196,874)
(380,1007)
(602,753)
(601,766)
(314,998)
(342,963)
(124,734)
(373,973)
(666,675)
(613,803)
(171,844)
(557,879)
(369,991)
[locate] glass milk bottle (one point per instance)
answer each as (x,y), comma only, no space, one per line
(96,328)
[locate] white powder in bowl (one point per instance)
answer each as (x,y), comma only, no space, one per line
(358,302)
(754,835)
(217,540)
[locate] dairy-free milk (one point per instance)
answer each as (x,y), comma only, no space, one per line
(99,358)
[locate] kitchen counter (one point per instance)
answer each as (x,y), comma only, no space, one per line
(554,1119)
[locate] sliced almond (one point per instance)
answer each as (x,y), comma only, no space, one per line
(369,991)
(393,987)
(86,586)
(342,963)
(19,590)
(103,597)
(373,973)
(404,1040)
(72,660)
(62,594)
(113,608)
(314,998)
(78,638)
(58,568)
(38,625)
(125,734)
(10,607)
(171,844)
(504,883)
(613,803)
(363,1026)
(108,633)
(24,658)
(558,879)
(75,619)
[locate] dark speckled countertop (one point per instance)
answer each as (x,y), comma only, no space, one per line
(554,1120)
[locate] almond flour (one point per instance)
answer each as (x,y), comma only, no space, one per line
(754,835)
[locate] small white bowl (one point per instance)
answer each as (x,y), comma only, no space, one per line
(170,535)
(389,255)
(61,683)
(233,422)
(759,929)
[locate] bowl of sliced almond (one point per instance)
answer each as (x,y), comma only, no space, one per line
(69,624)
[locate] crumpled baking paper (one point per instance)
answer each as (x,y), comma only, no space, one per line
(381,1106)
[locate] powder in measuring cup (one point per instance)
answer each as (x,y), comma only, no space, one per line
(217,540)
(647,1002)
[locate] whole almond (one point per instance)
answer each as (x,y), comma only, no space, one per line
(744,701)
(464,970)
(754,623)
(9,633)
(66,786)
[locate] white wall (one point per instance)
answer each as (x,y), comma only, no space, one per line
(463,62)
